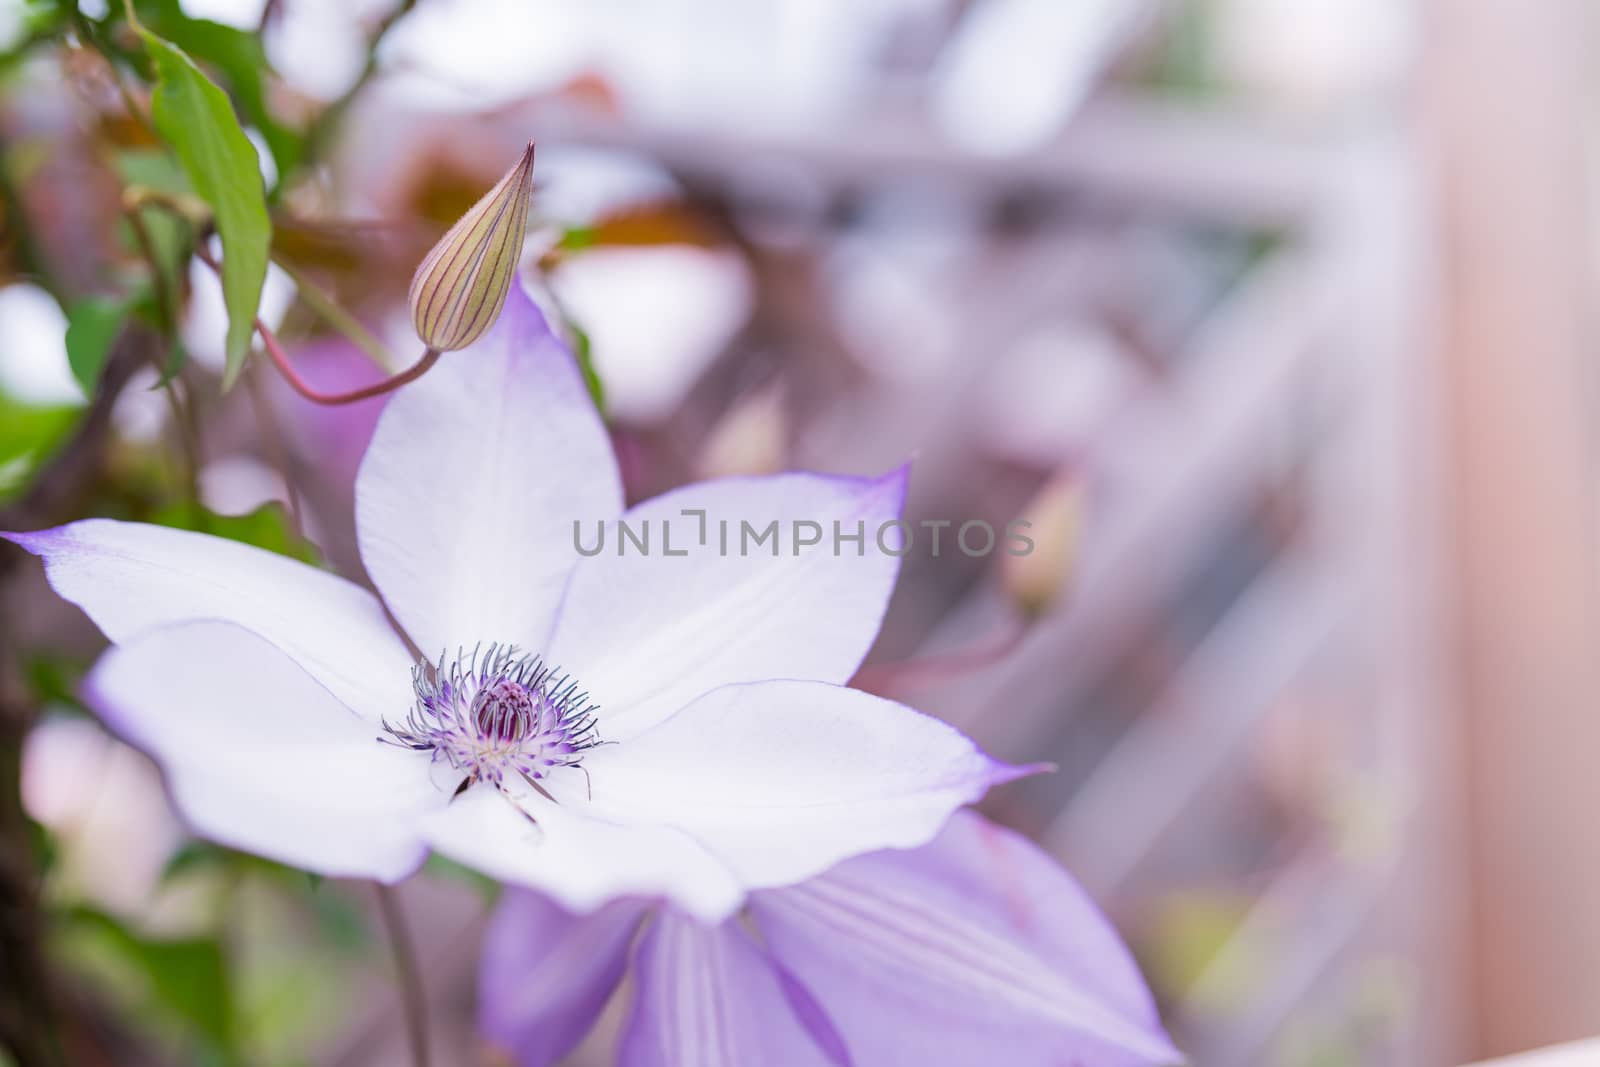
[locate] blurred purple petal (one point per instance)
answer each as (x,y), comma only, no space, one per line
(546,973)
(707,997)
(477,471)
(975,949)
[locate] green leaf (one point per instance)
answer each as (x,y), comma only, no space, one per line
(266,527)
(92,326)
(239,57)
(27,436)
(188,976)
(197,119)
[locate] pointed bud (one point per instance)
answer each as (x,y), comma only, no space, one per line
(461,286)
(1036,578)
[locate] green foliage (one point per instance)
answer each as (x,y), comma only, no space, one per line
(577,238)
(54,680)
(92,326)
(154,169)
(170,242)
(184,976)
(28,435)
(42,843)
(35,21)
(197,119)
(445,867)
(266,527)
(339,922)
(14,474)
(197,856)
(583,349)
(239,58)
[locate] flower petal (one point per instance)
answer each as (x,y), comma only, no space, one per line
(546,973)
(260,757)
(130,576)
(706,996)
(466,499)
(649,633)
(581,861)
(781,780)
(975,949)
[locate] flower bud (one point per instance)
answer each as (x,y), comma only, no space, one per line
(1036,578)
(461,286)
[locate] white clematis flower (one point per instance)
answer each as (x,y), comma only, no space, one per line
(596,727)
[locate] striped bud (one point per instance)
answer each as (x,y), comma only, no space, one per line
(461,286)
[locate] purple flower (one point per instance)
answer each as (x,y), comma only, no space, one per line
(591,726)
(973,949)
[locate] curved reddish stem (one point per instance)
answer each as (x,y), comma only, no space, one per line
(269,341)
(366,392)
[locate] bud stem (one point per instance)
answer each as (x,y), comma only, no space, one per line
(307,390)
(269,341)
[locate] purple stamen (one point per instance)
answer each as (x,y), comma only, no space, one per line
(505,711)
(495,712)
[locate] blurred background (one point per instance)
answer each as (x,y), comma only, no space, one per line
(1276,315)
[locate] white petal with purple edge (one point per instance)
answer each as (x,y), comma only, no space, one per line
(649,633)
(580,860)
(476,472)
(546,973)
(975,949)
(706,996)
(260,757)
(781,780)
(130,576)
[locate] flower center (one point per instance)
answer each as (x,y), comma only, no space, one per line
(495,712)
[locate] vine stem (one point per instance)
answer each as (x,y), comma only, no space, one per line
(414,1001)
(269,341)
(310,392)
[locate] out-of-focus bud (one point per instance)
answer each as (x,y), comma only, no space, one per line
(1043,550)
(752,438)
(461,286)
